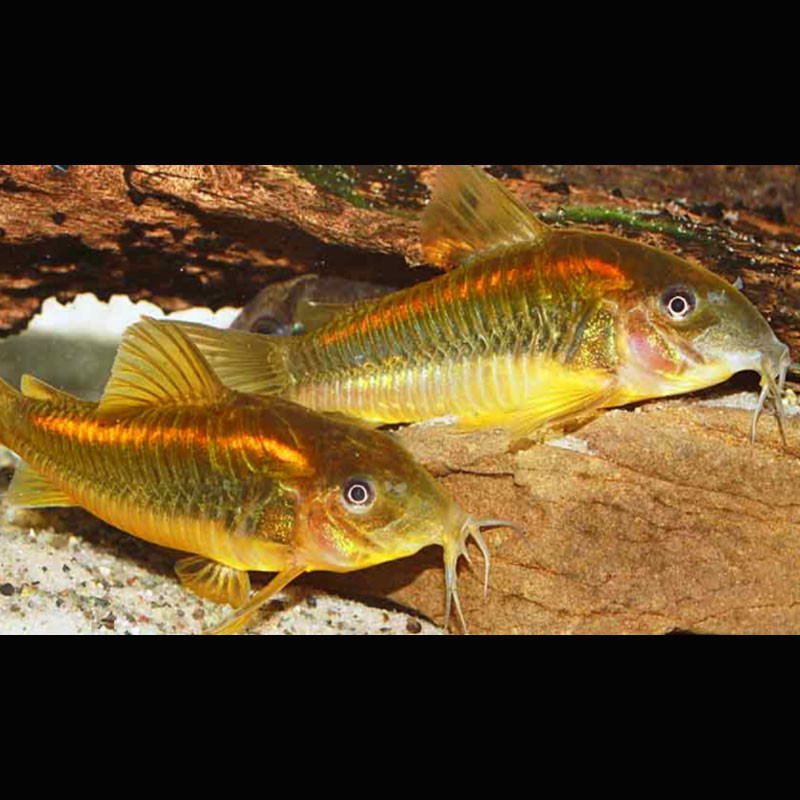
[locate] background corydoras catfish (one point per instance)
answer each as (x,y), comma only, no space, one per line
(532,326)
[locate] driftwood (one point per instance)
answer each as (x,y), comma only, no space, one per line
(650,521)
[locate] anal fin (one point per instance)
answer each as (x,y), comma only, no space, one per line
(30,490)
(214,581)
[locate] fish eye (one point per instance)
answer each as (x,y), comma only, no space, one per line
(678,303)
(358,494)
(268,326)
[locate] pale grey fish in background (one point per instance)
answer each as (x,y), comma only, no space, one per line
(303,304)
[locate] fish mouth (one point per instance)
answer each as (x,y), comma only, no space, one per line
(454,548)
(773,382)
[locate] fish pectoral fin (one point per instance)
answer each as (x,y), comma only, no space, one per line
(30,490)
(471,212)
(561,404)
(555,401)
(214,581)
(236,621)
(157,364)
(246,362)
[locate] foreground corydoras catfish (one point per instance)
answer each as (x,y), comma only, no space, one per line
(243,483)
(532,326)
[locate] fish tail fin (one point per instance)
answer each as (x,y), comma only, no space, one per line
(12,409)
(9,397)
(246,362)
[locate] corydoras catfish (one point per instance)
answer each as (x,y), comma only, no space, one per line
(240,482)
(532,326)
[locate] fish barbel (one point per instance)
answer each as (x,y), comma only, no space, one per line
(532,326)
(242,483)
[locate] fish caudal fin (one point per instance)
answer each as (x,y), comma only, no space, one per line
(32,388)
(471,212)
(9,398)
(157,364)
(30,490)
(214,581)
(246,362)
(238,620)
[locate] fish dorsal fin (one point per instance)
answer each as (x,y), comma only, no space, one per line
(246,362)
(30,490)
(157,364)
(471,212)
(39,390)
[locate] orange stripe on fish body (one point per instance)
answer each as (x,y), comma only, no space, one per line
(103,433)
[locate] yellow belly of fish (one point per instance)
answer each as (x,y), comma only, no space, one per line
(517,392)
(187,533)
